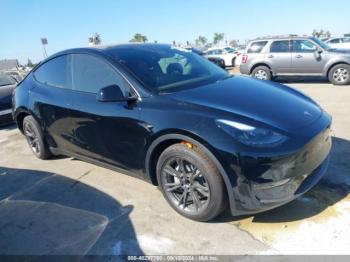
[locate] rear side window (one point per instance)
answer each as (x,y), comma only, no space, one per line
(335,41)
(280,47)
(90,74)
(346,40)
(257,47)
(55,72)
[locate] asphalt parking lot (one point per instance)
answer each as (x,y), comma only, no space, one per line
(66,206)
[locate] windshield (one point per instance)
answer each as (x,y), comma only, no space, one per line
(6,80)
(230,50)
(163,68)
(321,44)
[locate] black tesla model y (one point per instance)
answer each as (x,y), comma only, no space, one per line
(175,119)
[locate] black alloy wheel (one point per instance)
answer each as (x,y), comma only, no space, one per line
(190,182)
(33,134)
(185,185)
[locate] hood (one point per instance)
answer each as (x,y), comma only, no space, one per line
(266,102)
(340,51)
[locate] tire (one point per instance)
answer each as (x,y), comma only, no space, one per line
(223,65)
(339,74)
(234,62)
(201,195)
(35,139)
(262,73)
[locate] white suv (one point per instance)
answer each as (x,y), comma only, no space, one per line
(339,42)
(224,53)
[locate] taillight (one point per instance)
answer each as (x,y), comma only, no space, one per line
(244,59)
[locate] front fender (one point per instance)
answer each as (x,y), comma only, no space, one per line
(334,61)
(229,184)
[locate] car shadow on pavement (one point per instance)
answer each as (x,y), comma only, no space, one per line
(48,214)
(302,80)
(8,127)
(332,188)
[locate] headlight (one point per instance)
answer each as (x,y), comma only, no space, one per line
(249,135)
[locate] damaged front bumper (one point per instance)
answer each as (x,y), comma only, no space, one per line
(283,179)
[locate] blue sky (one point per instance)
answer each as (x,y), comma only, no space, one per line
(69,23)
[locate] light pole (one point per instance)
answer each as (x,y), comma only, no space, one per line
(44,42)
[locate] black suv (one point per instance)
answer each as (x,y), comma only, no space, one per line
(175,119)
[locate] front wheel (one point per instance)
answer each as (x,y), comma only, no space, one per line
(190,182)
(234,62)
(340,75)
(262,73)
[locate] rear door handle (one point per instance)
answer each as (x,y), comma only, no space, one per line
(299,56)
(270,56)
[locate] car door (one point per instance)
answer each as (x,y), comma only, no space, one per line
(280,57)
(108,132)
(52,101)
(306,59)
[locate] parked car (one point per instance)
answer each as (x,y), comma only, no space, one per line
(296,56)
(239,54)
(339,42)
(218,61)
(228,57)
(7,85)
(229,49)
(174,119)
(18,76)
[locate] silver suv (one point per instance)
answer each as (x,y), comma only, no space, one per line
(295,56)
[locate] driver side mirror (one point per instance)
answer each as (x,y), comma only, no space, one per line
(112,93)
(319,51)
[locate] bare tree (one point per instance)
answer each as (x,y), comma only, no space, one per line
(95,39)
(321,33)
(234,43)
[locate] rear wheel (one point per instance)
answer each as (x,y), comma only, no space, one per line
(190,182)
(340,75)
(35,139)
(262,73)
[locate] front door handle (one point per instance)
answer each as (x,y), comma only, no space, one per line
(270,56)
(299,56)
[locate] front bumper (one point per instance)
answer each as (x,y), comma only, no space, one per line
(285,178)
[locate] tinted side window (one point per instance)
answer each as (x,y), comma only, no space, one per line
(303,46)
(257,47)
(335,41)
(54,72)
(346,40)
(90,74)
(280,47)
